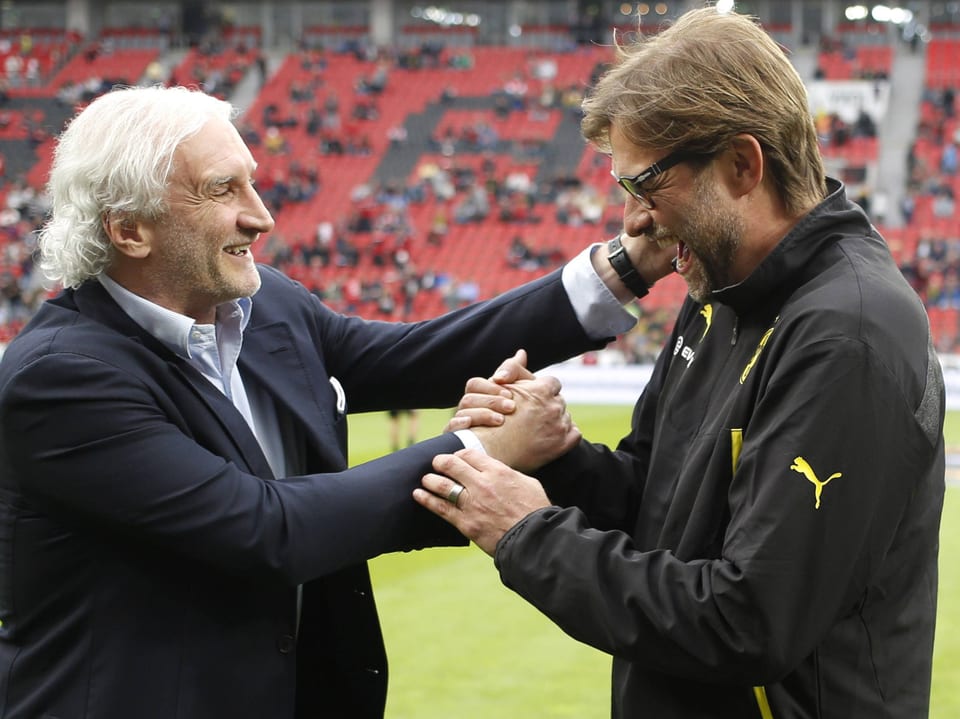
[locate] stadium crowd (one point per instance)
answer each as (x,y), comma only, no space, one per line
(393,246)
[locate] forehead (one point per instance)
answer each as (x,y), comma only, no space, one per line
(216,150)
(627,157)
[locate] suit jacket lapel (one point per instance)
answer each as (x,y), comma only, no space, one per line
(271,357)
(94,301)
(233,423)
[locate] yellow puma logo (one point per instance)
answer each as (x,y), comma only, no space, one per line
(803,467)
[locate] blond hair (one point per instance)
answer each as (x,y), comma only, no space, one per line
(699,83)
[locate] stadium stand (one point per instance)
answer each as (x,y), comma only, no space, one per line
(402,178)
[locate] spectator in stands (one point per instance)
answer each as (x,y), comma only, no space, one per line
(460,60)
(474,207)
(299,92)
(260,63)
(365,109)
(439,226)
(571,99)
(386,304)
(879,203)
(359,145)
(397,135)
(331,104)
(468,292)
(314,121)
(516,89)
(517,207)
(323,244)
(943,200)
(376,82)
(949,159)
(410,286)
(157,565)
(271,117)
(502,106)
(521,256)
(274,142)
(908,204)
(448,94)
(32,72)
(764,540)
(864,126)
(331,144)
(950,291)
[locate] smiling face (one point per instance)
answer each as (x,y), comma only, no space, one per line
(200,251)
(690,212)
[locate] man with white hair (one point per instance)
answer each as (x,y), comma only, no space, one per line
(180,535)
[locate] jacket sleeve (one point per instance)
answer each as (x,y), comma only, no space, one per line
(103,448)
(607,485)
(385,365)
(796,556)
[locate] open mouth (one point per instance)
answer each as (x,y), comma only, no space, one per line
(237,250)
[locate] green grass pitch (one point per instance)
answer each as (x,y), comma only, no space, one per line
(462,645)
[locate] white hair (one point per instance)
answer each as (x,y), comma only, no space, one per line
(114,161)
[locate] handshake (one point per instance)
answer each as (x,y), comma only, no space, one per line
(522,422)
(520,419)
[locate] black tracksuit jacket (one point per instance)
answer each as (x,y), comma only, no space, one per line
(763,544)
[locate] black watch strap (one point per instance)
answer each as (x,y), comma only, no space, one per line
(617,254)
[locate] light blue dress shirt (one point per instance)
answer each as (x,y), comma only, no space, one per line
(213,350)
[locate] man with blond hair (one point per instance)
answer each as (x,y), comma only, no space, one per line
(763,543)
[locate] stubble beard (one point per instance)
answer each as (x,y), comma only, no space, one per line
(196,264)
(714,234)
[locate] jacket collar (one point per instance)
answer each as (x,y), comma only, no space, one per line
(834,218)
(94,302)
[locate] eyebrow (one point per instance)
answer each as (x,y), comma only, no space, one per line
(220,180)
(230,177)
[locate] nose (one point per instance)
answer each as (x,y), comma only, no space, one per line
(636,218)
(255,215)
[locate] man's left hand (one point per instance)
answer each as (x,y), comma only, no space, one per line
(493,499)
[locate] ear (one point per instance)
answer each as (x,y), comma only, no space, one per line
(743,171)
(129,237)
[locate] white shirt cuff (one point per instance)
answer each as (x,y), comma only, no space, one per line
(470,439)
(599,311)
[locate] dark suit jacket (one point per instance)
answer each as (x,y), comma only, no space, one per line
(148,558)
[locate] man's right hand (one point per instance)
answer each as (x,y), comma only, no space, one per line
(487,400)
(537,432)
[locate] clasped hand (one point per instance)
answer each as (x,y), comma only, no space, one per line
(523,423)
(520,419)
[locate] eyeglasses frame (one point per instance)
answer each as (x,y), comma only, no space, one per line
(657,168)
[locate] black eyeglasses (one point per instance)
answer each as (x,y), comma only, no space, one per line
(632,183)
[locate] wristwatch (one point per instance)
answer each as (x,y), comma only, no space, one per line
(620,260)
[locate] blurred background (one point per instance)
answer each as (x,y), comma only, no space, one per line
(422,157)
